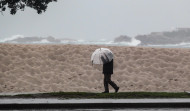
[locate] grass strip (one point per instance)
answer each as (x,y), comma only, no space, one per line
(88,95)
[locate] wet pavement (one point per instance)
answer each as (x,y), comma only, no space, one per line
(54,100)
(54,103)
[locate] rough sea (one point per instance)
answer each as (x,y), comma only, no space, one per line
(134,42)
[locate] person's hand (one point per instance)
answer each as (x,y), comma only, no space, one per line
(103,60)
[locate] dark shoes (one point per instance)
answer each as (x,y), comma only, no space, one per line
(117,89)
(105,92)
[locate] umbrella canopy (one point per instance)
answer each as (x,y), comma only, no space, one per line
(101,56)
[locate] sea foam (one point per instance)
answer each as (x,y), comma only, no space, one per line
(40,40)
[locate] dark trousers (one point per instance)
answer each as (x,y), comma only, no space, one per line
(107,80)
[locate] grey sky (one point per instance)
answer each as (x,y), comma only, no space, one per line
(98,19)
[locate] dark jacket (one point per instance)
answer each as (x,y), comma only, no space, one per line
(108,67)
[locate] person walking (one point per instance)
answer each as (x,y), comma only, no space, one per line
(105,56)
(108,71)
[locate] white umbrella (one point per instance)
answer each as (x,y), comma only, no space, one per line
(101,56)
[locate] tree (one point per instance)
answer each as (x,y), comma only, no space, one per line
(14,5)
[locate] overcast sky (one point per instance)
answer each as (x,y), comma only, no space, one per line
(98,19)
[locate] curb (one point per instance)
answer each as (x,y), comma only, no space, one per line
(92,105)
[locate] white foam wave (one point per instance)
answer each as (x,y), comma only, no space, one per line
(134,42)
(43,41)
(11,38)
(180,45)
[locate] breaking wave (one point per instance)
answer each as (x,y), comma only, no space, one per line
(134,42)
(20,39)
(11,38)
(180,45)
(39,40)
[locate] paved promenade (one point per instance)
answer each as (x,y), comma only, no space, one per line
(92,103)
